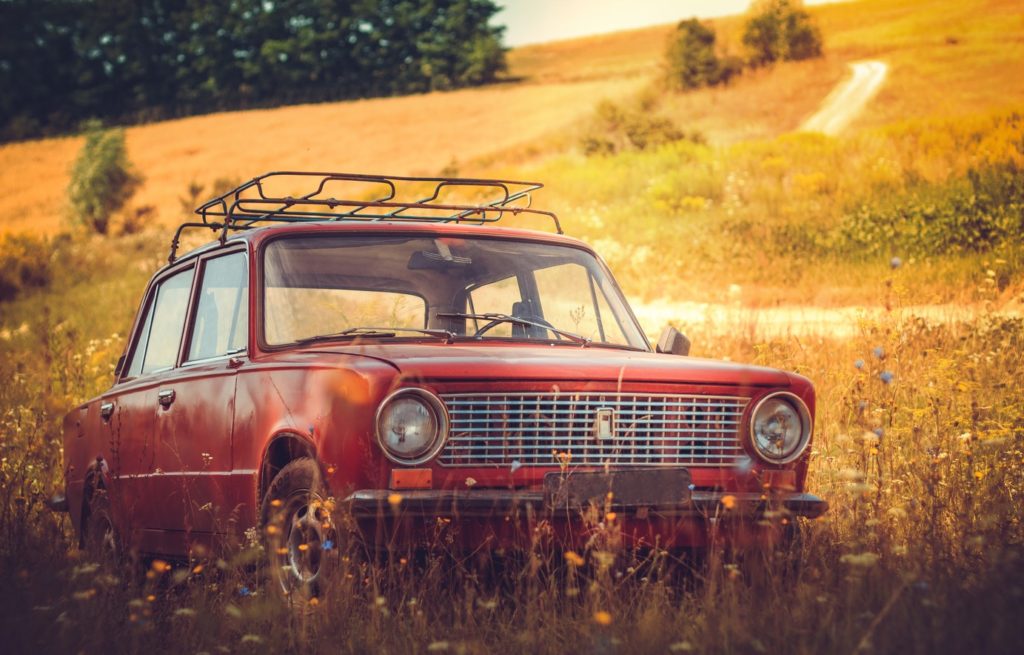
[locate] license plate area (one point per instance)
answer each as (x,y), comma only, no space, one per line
(633,488)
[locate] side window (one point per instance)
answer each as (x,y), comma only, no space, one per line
(160,335)
(222,316)
(496,298)
(573,302)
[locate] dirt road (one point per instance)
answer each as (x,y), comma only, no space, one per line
(848,99)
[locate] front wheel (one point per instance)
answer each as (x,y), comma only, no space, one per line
(299,533)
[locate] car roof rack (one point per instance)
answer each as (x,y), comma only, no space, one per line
(252,204)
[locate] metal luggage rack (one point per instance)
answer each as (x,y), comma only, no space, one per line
(250,205)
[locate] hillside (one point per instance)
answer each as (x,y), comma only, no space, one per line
(947,58)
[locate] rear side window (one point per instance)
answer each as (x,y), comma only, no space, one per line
(160,336)
(221,321)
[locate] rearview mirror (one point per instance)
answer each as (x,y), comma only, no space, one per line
(673,342)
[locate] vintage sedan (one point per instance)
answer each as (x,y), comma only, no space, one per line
(379,371)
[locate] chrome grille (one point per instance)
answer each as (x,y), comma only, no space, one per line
(538,429)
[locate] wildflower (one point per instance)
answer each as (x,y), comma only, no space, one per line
(184,613)
(276,502)
(516,465)
(245,591)
(160,566)
(252,639)
(681,647)
(314,601)
(470,482)
(878,352)
(602,617)
(886,376)
(272,529)
(87,594)
(328,545)
(895,262)
(197,569)
(437,646)
(610,516)
(729,501)
(573,558)
(395,500)
(859,364)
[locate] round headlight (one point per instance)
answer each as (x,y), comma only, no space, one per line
(780,427)
(412,425)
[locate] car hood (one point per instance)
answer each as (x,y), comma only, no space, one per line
(494,361)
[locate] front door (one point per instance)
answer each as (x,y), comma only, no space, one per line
(195,489)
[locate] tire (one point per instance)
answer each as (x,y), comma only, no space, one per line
(298,530)
(100,538)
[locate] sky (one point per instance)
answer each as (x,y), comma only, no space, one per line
(537,21)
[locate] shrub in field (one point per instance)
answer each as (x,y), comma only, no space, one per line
(24,263)
(102,179)
(615,128)
(692,60)
(780,30)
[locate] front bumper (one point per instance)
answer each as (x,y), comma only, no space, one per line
(500,504)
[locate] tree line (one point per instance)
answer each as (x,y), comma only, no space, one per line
(775,30)
(63,61)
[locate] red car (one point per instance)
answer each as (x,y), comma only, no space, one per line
(394,372)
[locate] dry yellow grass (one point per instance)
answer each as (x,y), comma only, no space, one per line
(407,135)
(947,58)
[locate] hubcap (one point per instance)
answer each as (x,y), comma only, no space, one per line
(307,530)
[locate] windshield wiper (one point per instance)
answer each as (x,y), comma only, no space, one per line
(378,332)
(505,318)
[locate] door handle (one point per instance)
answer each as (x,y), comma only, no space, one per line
(166,397)
(106,410)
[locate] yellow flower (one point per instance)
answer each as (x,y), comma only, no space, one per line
(573,558)
(395,500)
(602,617)
(729,501)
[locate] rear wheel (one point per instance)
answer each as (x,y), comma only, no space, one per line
(299,533)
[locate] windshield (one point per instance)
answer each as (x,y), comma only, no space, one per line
(481,288)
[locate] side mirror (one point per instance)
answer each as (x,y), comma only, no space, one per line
(673,342)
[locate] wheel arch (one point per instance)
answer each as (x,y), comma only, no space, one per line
(283,448)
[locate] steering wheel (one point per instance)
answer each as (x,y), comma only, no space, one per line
(533,319)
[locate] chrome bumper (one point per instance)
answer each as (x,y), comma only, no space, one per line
(499,503)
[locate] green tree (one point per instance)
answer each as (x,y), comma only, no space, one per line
(780,30)
(102,179)
(692,58)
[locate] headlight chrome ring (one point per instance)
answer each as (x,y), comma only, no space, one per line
(798,408)
(436,413)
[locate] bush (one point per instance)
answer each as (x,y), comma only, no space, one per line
(615,128)
(24,263)
(780,30)
(692,60)
(102,179)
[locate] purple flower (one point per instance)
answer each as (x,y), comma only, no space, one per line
(895,262)
(859,364)
(878,352)
(886,376)
(879,432)
(244,591)
(328,545)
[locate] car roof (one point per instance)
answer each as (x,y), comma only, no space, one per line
(256,236)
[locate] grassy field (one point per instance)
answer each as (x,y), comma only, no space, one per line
(919,443)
